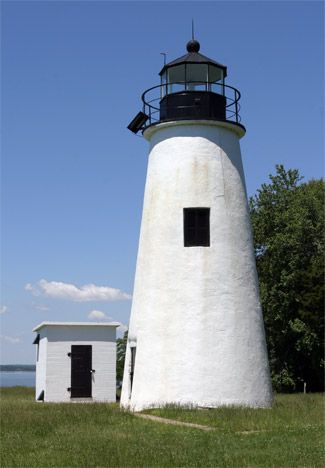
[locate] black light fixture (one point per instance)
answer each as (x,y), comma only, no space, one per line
(137,123)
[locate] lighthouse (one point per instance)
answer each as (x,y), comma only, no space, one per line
(196,333)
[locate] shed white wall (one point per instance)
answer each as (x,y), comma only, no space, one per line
(196,317)
(58,363)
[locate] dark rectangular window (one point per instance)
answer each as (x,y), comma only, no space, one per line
(196,227)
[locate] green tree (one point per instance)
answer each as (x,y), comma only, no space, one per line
(120,355)
(288,225)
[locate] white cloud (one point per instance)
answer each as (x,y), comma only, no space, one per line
(100,316)
(41,307)
(97,315)
(3,309)
(86,293)
(10,339)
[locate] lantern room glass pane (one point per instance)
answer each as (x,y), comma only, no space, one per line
(215,74)
(197,76)
(176,74)
(163,89)
(176,78)
(216,79)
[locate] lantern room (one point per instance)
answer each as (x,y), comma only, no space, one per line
(192,72)
(192,87)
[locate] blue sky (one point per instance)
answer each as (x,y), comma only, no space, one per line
(72,174)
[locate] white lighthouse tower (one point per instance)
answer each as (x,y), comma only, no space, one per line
(196,333)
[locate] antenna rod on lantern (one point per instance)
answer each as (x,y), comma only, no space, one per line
(192,29)
(165,55)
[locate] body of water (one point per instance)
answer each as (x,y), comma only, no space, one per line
(12,379)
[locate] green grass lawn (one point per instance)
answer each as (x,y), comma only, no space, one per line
(291,434)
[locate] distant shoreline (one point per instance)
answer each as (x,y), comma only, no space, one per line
(17,368)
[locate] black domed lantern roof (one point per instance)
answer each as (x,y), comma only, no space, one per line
(195,58)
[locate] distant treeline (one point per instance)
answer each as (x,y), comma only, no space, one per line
(17,367)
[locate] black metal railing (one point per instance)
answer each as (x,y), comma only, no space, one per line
(152,98)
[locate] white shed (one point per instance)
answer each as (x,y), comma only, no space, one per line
(75,361)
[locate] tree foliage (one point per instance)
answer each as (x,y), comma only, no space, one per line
(120,355)
(288,225)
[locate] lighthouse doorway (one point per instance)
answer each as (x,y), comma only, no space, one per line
(133,353)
